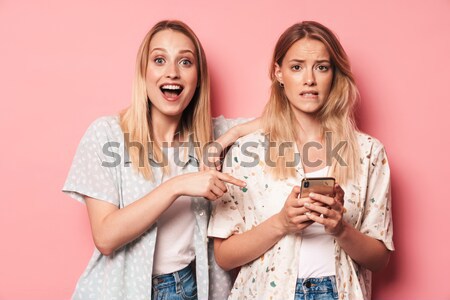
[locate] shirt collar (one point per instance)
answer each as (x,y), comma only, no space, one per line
(191,159)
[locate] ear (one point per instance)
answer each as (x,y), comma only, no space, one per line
(278,73)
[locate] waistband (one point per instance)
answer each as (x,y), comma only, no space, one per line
(172,278)
(326,283)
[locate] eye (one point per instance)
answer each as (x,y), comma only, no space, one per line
(296,68)
(323,68)
(159,60)
(186,62)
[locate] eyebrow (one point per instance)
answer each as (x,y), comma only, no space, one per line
(317,61)
(181,51)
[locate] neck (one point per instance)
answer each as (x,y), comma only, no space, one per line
(308,128)
(165,127)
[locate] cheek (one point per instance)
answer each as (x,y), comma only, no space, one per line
(151,77)
(327,83)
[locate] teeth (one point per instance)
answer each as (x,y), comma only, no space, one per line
(171,87)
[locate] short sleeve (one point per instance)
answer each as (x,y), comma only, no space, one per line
(227,217)
(377,219)
(222,125)
(95,167)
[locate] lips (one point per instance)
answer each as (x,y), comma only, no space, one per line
(171,91)
(309,93)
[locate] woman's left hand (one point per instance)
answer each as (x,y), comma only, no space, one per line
(330,213)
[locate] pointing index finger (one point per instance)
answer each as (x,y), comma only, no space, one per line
(230,179)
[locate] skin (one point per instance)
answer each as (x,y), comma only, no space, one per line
(305,67)
(216,150)
(172,61)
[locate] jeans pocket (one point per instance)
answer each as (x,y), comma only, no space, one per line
(189,288)
(159,294)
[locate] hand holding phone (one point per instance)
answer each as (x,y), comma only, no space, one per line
(318,185)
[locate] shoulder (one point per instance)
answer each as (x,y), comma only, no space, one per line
(105,122)
(371,149)
(257,137)
(246,152)
(106,127)
(368,143)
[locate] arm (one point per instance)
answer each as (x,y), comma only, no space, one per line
(363,249)
(113,227)
(255,242)
(216,150)
(370,247)
(238,131)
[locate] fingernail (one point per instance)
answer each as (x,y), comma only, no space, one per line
(312,195)
(307,204)
(307,214)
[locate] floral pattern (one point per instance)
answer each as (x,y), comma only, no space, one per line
(274,274)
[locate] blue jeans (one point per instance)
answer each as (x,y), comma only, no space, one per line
(322,288)
(179,285)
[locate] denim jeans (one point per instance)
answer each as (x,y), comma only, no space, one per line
(322,288)
(179,285)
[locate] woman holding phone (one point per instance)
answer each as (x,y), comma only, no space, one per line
(318,246)
(148,203)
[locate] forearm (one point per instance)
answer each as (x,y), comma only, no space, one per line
(240,249)
(115,228)
(364,250)
(238,131)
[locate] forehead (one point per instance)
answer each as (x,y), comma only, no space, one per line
(307,48)
(171,40)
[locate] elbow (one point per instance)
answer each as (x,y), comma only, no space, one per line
(223,264)
(104,251)
(382,262)
(103,246)
(220,256)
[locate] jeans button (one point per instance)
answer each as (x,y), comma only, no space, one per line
(307,284)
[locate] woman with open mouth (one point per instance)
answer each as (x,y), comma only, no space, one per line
(138,173)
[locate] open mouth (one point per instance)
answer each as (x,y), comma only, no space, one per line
(171,90)
(309,93)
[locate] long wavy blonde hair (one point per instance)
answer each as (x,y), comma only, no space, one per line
(336,116)
(136,122)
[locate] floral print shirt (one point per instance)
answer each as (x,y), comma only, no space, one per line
(127,273)
(274,274)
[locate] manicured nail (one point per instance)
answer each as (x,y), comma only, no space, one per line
(307,204)
(312,195)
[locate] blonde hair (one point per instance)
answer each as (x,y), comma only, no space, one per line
(136,121)
(336,116)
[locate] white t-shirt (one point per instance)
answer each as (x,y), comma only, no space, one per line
(175,239)
(317,247)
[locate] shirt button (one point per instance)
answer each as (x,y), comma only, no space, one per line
(201,213)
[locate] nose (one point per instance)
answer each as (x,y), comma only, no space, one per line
(310,79)
(172,70)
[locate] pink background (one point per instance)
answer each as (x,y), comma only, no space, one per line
(65,63)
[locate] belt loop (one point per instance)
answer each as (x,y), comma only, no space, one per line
(333,284)
(177,282)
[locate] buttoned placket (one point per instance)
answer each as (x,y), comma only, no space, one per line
(199,207)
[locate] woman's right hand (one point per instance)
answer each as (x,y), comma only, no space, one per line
(207,183)
(292,218)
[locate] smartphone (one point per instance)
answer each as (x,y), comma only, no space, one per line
(319,185)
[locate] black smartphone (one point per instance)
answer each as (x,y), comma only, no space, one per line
(318,185)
